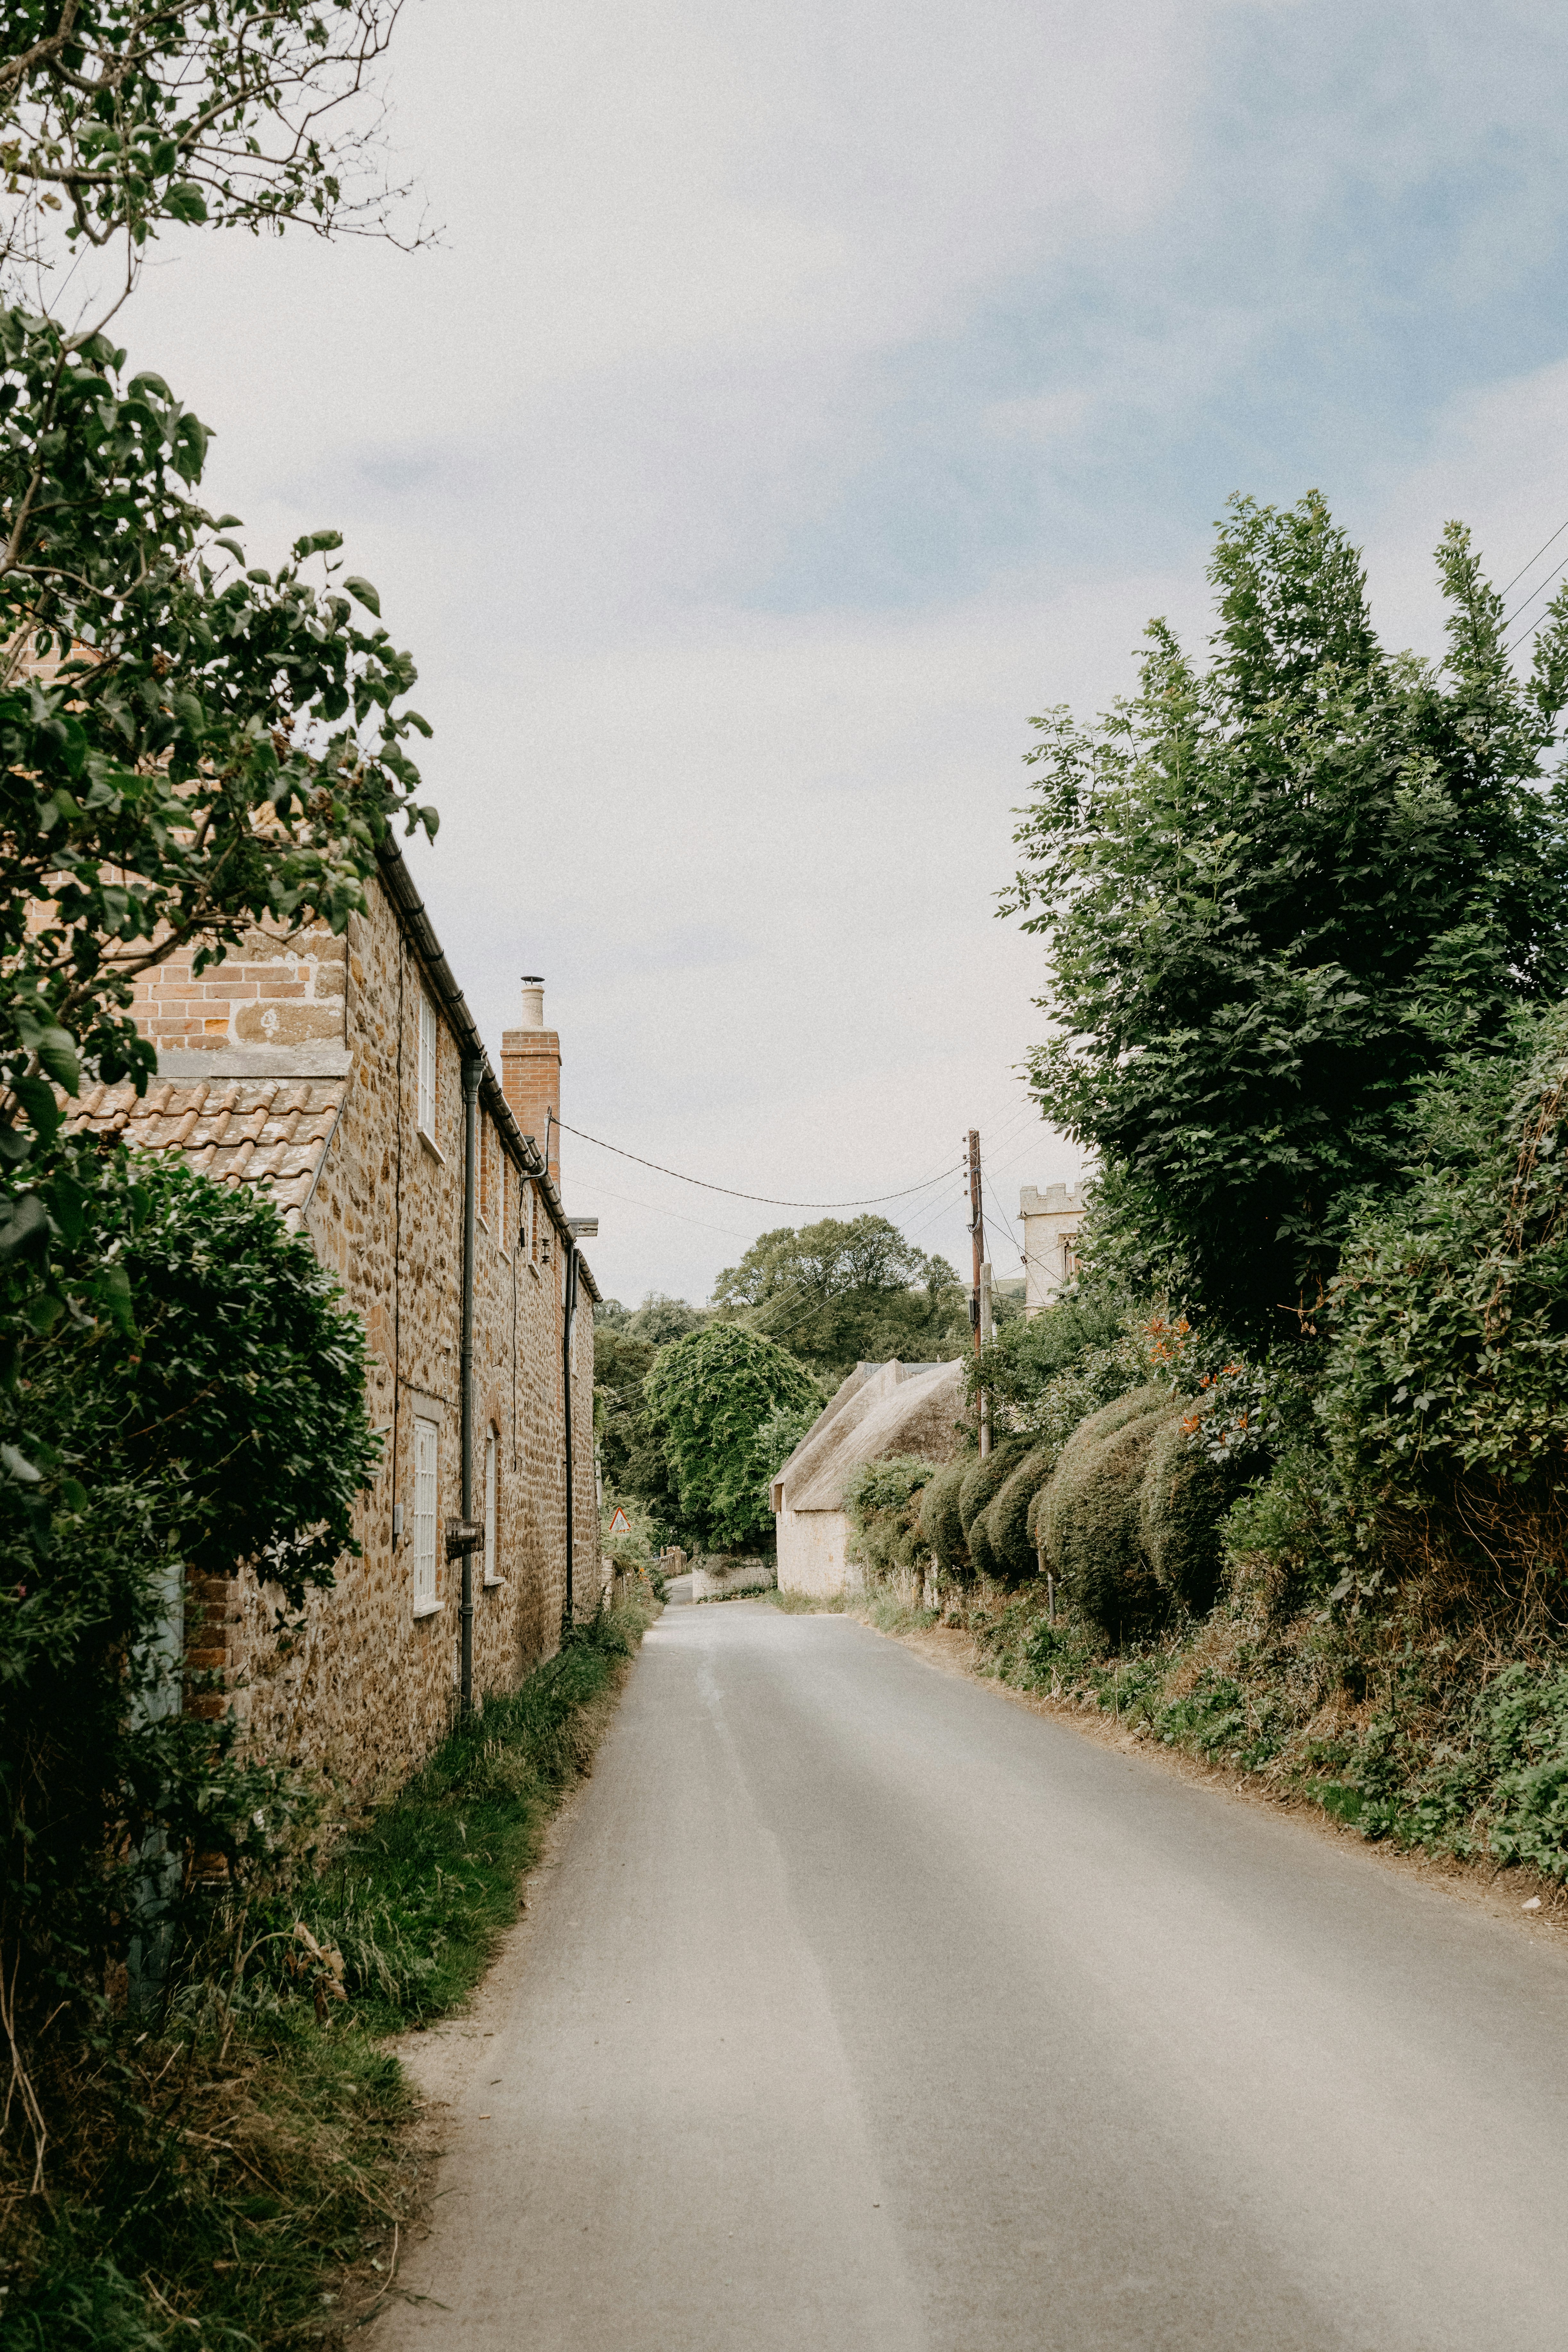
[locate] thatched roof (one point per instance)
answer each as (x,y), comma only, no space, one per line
(880,1410)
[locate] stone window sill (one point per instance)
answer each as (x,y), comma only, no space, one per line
(433,1147)
(494,1584)
(428,1608)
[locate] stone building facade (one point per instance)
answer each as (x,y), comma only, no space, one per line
(1050,1220)
(328,1073)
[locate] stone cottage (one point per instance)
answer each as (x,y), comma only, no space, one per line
(879,1412)
(345,1080)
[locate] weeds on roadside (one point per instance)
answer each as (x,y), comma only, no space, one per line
(214,2172)
(1450,1735)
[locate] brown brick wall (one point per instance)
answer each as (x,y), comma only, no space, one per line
(276,989)
(530,1081)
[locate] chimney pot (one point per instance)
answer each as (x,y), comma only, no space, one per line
(532,1001)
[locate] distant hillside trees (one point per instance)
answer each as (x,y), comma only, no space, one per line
(838,1293)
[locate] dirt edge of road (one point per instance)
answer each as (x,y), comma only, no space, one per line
(1474,1883)
(437,2059)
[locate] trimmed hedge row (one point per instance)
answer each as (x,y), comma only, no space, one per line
(1126,1513)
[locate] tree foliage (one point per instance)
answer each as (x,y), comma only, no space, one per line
(188,742)
(715,1393)
(1278,892)
(839,1293)
(125,114)
(229,1425)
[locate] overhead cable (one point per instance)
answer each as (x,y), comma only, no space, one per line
(1534,561)
(1537,590)
(767,1199)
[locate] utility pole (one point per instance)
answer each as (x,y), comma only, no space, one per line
(979,1302)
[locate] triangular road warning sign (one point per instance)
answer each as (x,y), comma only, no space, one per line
(620,1524)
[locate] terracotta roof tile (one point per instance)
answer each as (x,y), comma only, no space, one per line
(269,1133)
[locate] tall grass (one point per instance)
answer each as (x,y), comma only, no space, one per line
(235,2178)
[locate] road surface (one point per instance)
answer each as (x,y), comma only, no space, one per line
(868,2011)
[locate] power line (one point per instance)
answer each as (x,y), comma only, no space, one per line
(656,1209)
(1534,559)
(1537,590)
(1528,624)
(767,1199)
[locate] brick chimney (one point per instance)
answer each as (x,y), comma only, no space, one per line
(530,1072)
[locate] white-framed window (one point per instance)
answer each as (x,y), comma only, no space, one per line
(426,1066)
(502,1234)
(427,1438)
(492,1461)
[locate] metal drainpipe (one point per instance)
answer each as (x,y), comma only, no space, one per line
(569,1320)
(471,1075)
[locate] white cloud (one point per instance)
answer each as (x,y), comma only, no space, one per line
(695,258)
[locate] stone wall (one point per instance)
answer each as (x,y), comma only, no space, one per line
(277,992)
(365,1685)
(716,1575)
(1050,1220)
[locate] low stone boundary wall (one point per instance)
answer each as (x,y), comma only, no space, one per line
(714,1577)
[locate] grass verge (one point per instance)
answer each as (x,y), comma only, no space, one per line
(217,2181)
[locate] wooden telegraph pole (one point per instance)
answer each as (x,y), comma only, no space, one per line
(977,1233)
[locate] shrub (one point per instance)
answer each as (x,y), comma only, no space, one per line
(1090,1517)
(939,1524)
(1008,1529)
(1182,1503)
(883,1503)
(229,1425)
(1445,1391)
(982,1480)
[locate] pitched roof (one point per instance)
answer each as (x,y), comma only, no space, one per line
(270,1133)
(880,1410)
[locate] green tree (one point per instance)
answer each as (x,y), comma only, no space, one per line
(1276,893)
(188,742)
(129,114)
(630,1438)
(230,1426)
(660,1319)
(714,1393)
(839,1293)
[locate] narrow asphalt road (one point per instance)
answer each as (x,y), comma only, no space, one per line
(868,2011)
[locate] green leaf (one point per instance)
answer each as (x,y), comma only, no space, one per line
(364,592)
(17,1466)
(36,1097)
(24,1229)
(184,202)
(54,1047)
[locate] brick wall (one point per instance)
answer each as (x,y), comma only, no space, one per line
(276,990)
(530,1081)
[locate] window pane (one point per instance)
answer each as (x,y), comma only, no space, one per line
(426,1436)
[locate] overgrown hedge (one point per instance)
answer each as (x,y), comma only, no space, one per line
(227,1423)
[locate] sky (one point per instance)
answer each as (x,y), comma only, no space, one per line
(795,400)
